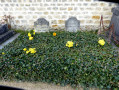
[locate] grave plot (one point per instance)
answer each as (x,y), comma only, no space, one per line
(66,58)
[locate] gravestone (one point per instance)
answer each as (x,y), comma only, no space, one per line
(3,29)
(115,21)
(72,24)
(41,25)
(5,33)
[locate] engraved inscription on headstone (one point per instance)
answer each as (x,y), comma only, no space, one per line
(41,25)
(72,24)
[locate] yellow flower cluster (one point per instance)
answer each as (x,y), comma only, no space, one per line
(3,53)
(30,36)
(31,50)
(101,42)
(69,44)
(34,32)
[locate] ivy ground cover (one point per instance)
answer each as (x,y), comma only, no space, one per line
(61,58)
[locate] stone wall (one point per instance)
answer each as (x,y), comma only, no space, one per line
(26,12)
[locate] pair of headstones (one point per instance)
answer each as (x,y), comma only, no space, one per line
(71,25)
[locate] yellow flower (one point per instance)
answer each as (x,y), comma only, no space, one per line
(76,44)
(32,50)
(34,33)
(30,38)
(3,53)
(69,44)
(29,34)
(101,42)
(27,52)
(25,49)
(33,30)
(54,34)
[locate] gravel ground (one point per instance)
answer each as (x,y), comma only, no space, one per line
(36,86)
(39,86)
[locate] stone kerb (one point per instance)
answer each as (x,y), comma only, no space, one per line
(72,24)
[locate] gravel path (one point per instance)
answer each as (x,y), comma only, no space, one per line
(36,86)
(39,86)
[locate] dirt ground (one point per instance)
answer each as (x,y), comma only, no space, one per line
(39,86)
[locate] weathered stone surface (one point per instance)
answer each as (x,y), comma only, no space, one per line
(95,17)
(72,24)
(41,25)
(5,33)
(6,36)
(115,11)
(115,21)
(3,29)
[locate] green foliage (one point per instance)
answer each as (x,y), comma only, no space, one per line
(88,63)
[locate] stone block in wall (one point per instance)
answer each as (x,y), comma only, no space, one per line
(106,21)
(70,8)
(39,0)
(17,21)
(61,22)
(54,22)
(8,0)
(55,27)
(95,17)
(41,25)
(46,13)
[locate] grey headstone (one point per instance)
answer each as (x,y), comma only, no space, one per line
(41,25)
(115,11)
(72,24)
(5,33)
(3,28)
(6,36)
(115,21)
